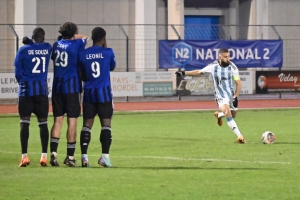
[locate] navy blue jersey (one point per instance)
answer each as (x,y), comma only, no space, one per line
(65,63)
(96,63)
(31,69)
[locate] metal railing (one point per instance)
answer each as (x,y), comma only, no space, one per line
(136,46)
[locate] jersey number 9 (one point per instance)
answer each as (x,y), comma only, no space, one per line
(96,69)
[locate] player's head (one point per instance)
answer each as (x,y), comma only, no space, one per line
(68,30)
(224,57)
(38,35)
(98,35)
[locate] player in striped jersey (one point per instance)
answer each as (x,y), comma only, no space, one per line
(31,70)
(66,89)
(96,62)
(226,76)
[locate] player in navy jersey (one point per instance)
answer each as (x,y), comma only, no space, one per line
(66,89)
(225,75)
(96,62)
(31,70)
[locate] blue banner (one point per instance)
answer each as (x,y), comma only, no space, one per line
(196,54)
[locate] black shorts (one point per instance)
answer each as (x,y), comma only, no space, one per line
(66,104)
(39,105)
(104,110)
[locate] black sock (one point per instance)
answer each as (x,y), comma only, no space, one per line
(71,146)
(44,134)
(105,139)
(85,138)
(24,135)
(54,144)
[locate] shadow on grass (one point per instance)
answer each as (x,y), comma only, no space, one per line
(276,143)
(184,168)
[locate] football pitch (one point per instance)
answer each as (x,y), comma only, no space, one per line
(163,155)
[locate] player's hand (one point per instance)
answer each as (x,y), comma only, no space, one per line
(180,73)
(235,102)
(26,40)
(105,44)
(59,37)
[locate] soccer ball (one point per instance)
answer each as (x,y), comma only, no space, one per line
(268,137)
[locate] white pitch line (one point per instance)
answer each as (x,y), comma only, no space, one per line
(178,158)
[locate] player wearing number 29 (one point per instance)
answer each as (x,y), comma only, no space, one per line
(31,70)
(66,89)
(96,62)
(224,73)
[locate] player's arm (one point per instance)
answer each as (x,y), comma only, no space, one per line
(112,61)
(236,78)
(207,68)
(238,88)
(26,41)
(78,36)
(193,73)
(18,67)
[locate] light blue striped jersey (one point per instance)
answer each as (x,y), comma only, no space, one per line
(223,78)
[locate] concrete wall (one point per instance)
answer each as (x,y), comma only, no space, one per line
(7,39)
(90,13)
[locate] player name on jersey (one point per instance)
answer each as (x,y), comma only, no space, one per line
(38,52)
(94,56)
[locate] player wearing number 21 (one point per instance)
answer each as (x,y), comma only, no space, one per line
(96,62)
(66,89)
(31,69)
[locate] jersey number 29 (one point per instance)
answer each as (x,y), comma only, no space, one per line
(63,56)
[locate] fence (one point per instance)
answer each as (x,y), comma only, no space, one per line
(136,46)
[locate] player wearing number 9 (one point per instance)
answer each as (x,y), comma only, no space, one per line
(31,69)
(66,89)
(96,62)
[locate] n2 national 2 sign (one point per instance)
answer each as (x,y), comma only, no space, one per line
(196,54)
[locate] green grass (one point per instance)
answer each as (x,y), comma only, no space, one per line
(163,155)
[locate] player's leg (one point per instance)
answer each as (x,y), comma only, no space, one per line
(105,113)
(58,113)
(89,112)
(41,109)
(225,108)
(73,112)
(25,107)
(218,114)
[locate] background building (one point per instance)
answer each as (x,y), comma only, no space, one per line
(135,26)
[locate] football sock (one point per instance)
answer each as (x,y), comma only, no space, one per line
(220,114)
(232,125)
(44,134)
(53,145)
(105,139)
(24,155)
(85,138)
(105,155)
(71,149)
(44,154)
(24,135)
(84,156)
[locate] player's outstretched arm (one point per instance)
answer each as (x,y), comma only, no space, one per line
(189,73)
(78,36)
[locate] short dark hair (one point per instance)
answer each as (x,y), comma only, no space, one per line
(98,34)
(223,50)
(38,34)
(68,30)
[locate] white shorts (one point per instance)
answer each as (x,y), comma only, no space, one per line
(222,101)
